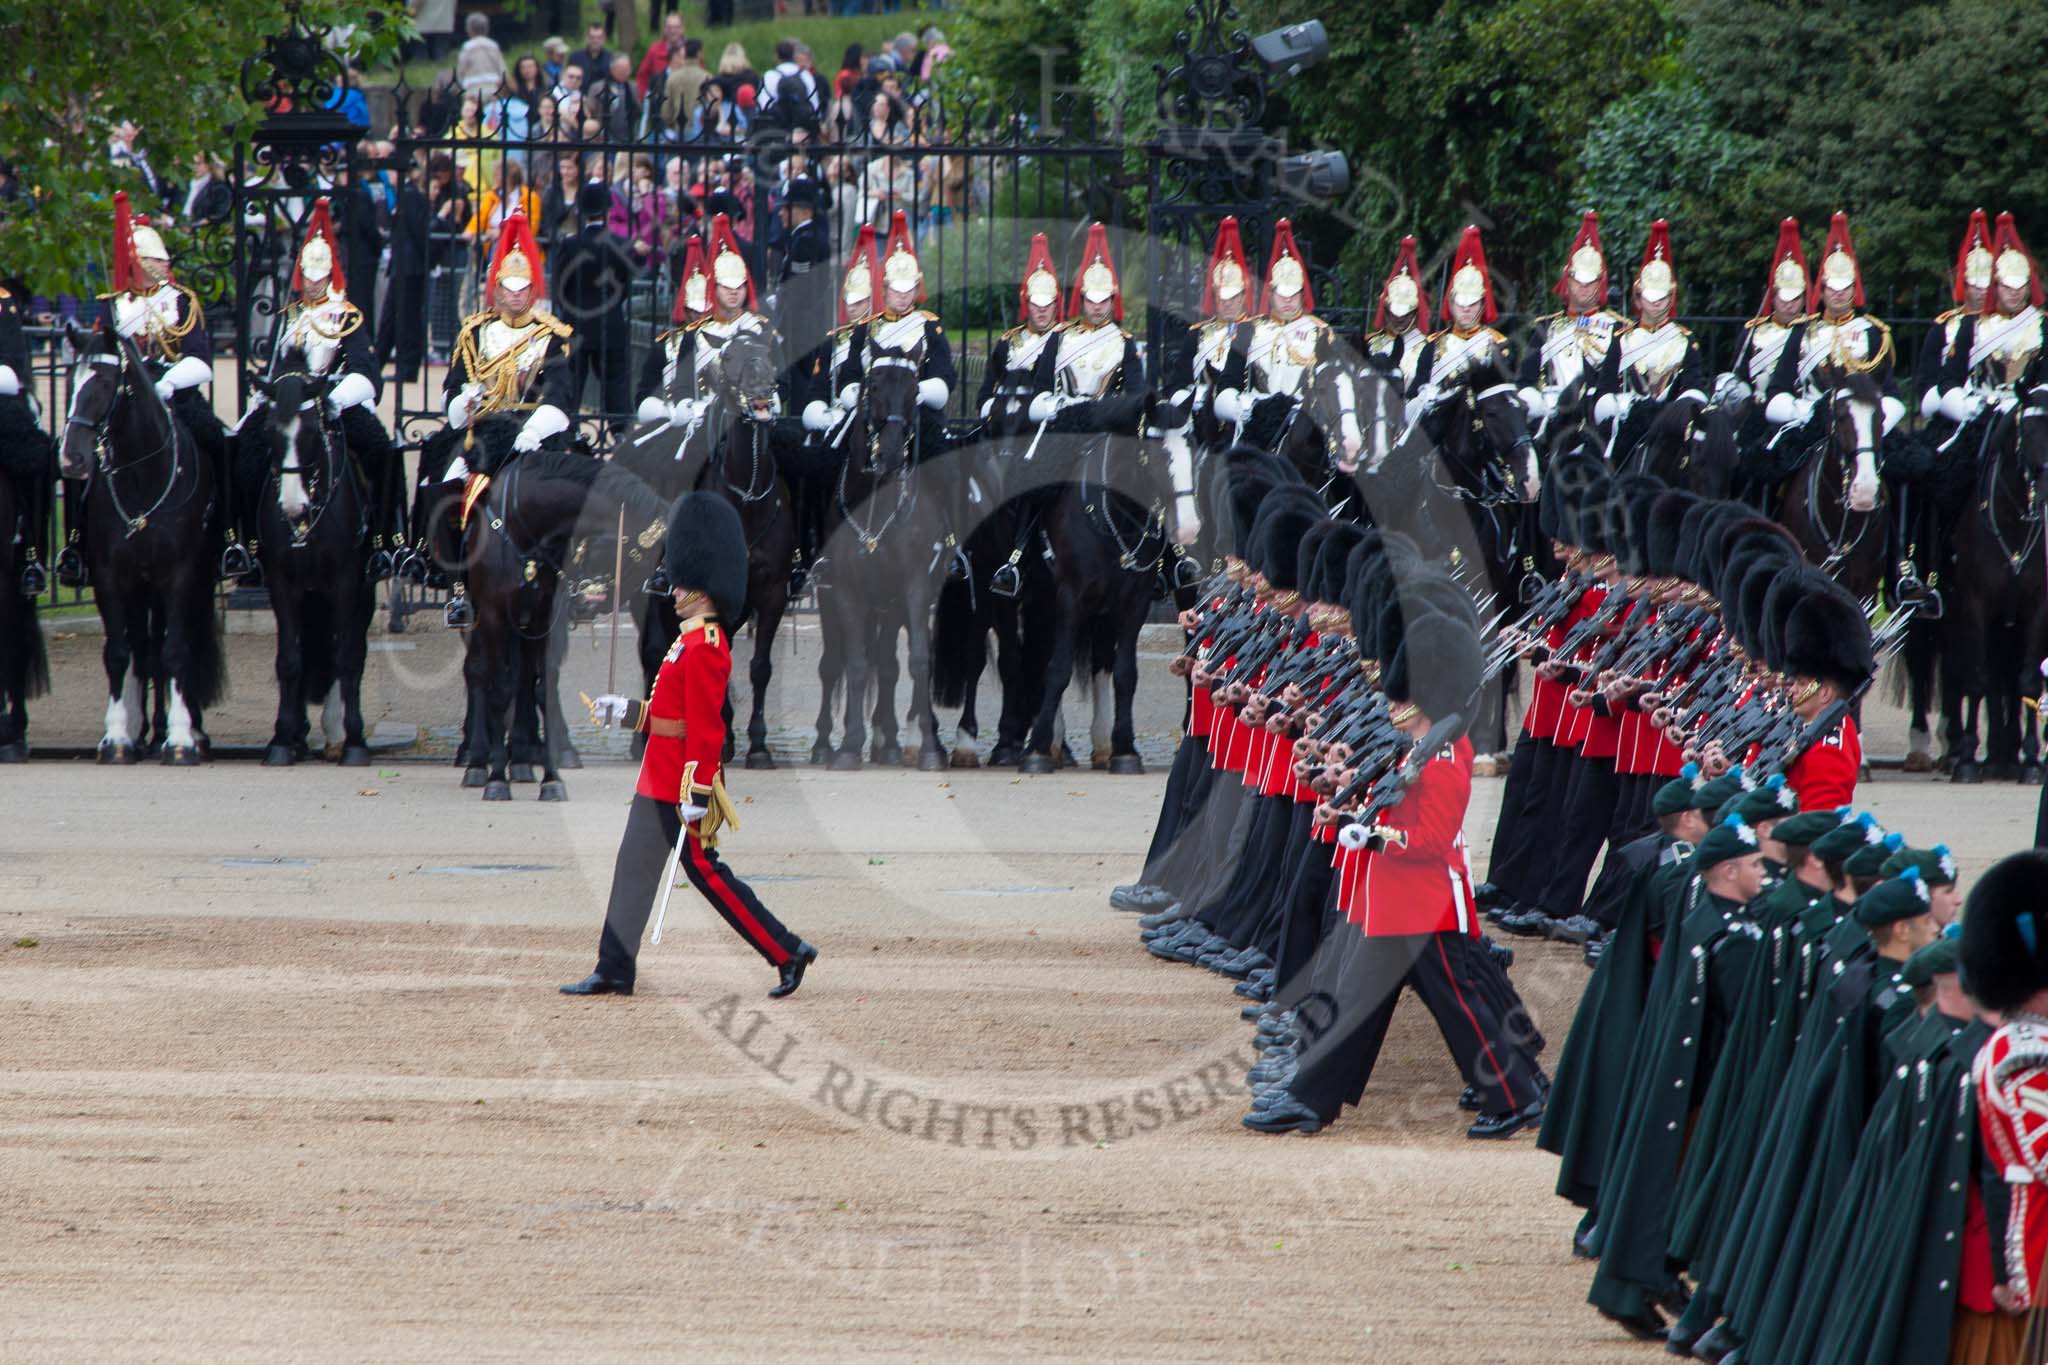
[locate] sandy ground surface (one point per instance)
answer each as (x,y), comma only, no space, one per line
(284,1074)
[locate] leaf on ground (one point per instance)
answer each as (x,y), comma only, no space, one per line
(26,942)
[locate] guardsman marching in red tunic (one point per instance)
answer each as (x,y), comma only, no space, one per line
(680,803)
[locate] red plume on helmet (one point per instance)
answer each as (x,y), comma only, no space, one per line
(1229,247)
(1976,235)
(1589,236)
(1284,249)
(693,265)
(1404,264)
(1788,249)
(320,226)
(1838,244)
(2008,239)
(900,243)
(1096,252)
(124,245)
(723,244)
(1658,248)
(1040,259)
(1472,254)
(515,235)
(864,254)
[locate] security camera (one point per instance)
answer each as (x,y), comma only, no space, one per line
(1316,175)
(1292,50)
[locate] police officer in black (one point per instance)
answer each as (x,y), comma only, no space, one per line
(593,275)
(802,304)
(28,458)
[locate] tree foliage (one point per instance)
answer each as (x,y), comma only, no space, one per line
(77,70)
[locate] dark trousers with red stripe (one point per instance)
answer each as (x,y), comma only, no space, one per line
(1444,971)
(652,828)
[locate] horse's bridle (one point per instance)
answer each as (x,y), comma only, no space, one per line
(330,438)
(133,522)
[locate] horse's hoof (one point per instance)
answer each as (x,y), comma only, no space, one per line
(846,761)
(1967,770)
(1066,756)
(821,754)
(887,755)
(931,760)
(1006,754)
(2030,773)
(569,758)
(500,790)
(964,757)
(1036,763)
(280,756)
(556,790)
(2005,772)
(18,753)
(183,756)
(1126,765)
(1099,760)
(355,755)
(475,777)
(1918,761)
(111,752)
(331,751)
(520,772)
(758,759)
(465,757)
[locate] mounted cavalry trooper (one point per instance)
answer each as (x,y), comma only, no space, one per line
(1298,371)
(1400,320)
(27,456)
(1653,362)
(508,386)
(322,335)
(1219,360)
(860,289)
(1020,368)
(1993,350)
(1837,341)
(164,320)
(1779,324)
(1572,345)
(905,331)
(681,370)
(1928,489)
(1468,341)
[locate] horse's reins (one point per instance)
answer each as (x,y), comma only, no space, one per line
(126,381)
(906,484)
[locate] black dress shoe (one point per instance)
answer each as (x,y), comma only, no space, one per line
(1714,1343)
(793,971)
(1527,923)
(597,983)
(1643,1326)
(1582,1245)
(1486,893)
(1507,1124)
(1468,1099)
(1678,1342)
(1573,928)
(1288,1116)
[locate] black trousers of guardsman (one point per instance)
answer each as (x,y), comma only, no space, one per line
(652,828)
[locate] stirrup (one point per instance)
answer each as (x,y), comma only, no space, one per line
(410,565)
(235,561)
(457,613)
(819,573)
(958,569)
(71,568)
(1186,573)
(1006,581)
(380,567)
(35,580)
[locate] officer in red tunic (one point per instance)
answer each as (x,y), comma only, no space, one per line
(1828,658)
(2004,964)
(679,795)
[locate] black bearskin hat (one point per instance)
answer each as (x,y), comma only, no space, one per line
(2005,932)
(1666,522)
(1253,474)
(1794,582)
(1438,667)
(1287,516)
(1747,584)
(1340,541)
(707,550)
(593,202)
(1558,501)
(1632,549)
(1694,528)
(1308,559)
(1601,511)
(1827,637)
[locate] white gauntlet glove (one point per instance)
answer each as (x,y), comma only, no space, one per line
(463,404)
(609,710)
(1959,405)
(652,409)
(1043,406)
(545,421)
(1894,412)
(1228,405)
(849,396)
(10,382)
(352,391)
(933,392)
(1782,409)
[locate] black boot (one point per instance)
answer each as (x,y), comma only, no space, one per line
(793,971)
(457,613)
(71,567)
(1008,579)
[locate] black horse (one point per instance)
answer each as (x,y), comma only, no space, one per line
(887,527)
(736,449)
(516,542)
(24,665)
(1994,631)
(313,536)
(1833,502)
(1109,525)
(150,523)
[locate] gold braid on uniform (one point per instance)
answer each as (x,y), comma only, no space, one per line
(1848,364)
(351,318)
(169,334)
(499,376)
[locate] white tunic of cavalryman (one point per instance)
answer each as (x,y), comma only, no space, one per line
(316,331)
(1402,351)
(1651,358)
(157,320)
(1088,358)
(1573,345)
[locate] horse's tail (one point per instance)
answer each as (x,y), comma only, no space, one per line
(25,660)
(209,674)
(1097,653)
(959,644)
